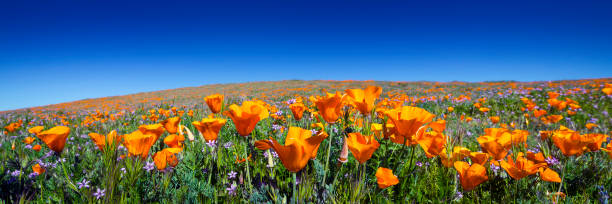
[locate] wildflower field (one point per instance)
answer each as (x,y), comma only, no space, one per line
(317,142)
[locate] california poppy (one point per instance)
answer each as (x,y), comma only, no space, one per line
(470,176)
(362,146)
(36,148)
(298,110)
(494,119)
(385,177)
(28,140)
(538,113)
(608,149)
(408,122)
(591,125)
(174,141)
(300,146)
(596,140)
(55,138)
(547,174)
(479,158)
(166,157)
(38,169)
(457,154)
(245,117)
(569,142)
(101,140)
(330,106)
(362,99)
(551,119)
(35,130)
(154,129)
(138,143)
(496,142)
(214,102)
(521,167)
(607,89)
(171,124)
(209,127)
(438,125)
(432,143)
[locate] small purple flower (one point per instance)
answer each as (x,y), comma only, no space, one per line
(552,161)
(15,173)
(291,101)
(279,113)
(419,163)
(494,168)
(314,131)
(99,193)
(227,145)
(33,175)
(232,174)
(276,127)
(83,184)
(212,144)
(123,170)
(232,189)
(149,166)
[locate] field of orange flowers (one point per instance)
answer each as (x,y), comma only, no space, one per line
(317,141)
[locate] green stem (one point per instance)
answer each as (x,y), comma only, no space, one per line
(294,188)
(328,152)
(248,175)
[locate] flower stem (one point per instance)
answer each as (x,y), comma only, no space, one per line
(328,127)
(294,189)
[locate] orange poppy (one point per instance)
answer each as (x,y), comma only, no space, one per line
(558,104)
(139,143)
(608,149)
(538,113)
(408,122)
(101,140)
(362,146)
(438,125)
(596,140)
(385,178)
(591,125)
(496,142)
(38,169)
(35,130)
(458,154)
(432,143)
(154,129)
(450,109)
(37,148)
(214,102)
(521,167)
(28,140)
(174,141)
(569,142)
(607,89)
(245,117)
(298,110)
(330,106)
(171,124)
(55,138)
(494,119)
(166,157)
(547,174)
(362,99)
(479,158)
(300,146)
(209,127)
(470,176)
(551,119)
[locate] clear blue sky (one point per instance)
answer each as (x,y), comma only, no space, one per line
(54,52)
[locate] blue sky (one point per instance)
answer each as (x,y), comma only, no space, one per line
(52,52)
